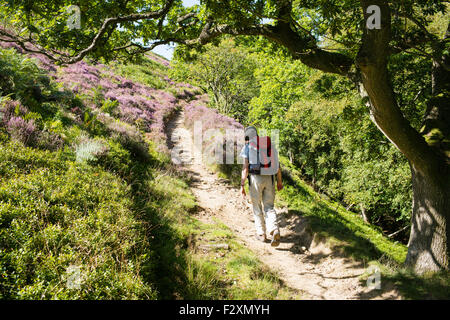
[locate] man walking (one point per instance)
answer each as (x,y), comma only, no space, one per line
(261,167)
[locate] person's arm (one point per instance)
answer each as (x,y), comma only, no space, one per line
(279,180)
(244,176)
(278,174)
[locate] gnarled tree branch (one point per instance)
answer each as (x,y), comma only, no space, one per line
(114,21)
(98,38)
(385,112)
(302,47)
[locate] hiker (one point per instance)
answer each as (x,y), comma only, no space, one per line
(261,167)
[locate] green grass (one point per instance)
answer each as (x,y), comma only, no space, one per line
(145,71)
(345,231)
(424,287)
(233,273)
(428,286)
(54,214)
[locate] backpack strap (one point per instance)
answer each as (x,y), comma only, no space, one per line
(257,149)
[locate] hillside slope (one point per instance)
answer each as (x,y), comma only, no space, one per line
(81,150)
(91,206)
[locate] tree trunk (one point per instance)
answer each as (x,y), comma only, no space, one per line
(430,230)
(426,151)
(428,247)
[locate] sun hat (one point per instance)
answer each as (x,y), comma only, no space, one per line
(250,132)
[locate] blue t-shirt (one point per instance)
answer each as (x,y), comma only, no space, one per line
(245,152)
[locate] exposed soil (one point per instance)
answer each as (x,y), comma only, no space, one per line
(302,261)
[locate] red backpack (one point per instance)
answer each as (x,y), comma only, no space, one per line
(264,150)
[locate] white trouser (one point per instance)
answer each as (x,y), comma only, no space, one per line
(262,193)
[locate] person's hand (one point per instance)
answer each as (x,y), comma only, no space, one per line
(243,191)
(279,185)
(243,187)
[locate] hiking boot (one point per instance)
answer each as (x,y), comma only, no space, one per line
(276,239)
(261,237)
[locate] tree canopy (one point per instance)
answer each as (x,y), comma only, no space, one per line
(323,34)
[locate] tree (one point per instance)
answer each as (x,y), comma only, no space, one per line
(331,36)
(227,71)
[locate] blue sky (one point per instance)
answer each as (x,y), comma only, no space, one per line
(166,50)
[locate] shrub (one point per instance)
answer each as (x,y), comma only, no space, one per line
(50,141)
(21,78)
(23,131)
(117,160)
(11,109)
(54,215)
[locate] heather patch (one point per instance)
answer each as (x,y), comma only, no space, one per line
(220,135)
(140,101)
(210,118)
(137,104)
(22,130)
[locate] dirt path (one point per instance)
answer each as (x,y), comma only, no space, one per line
(302,262)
